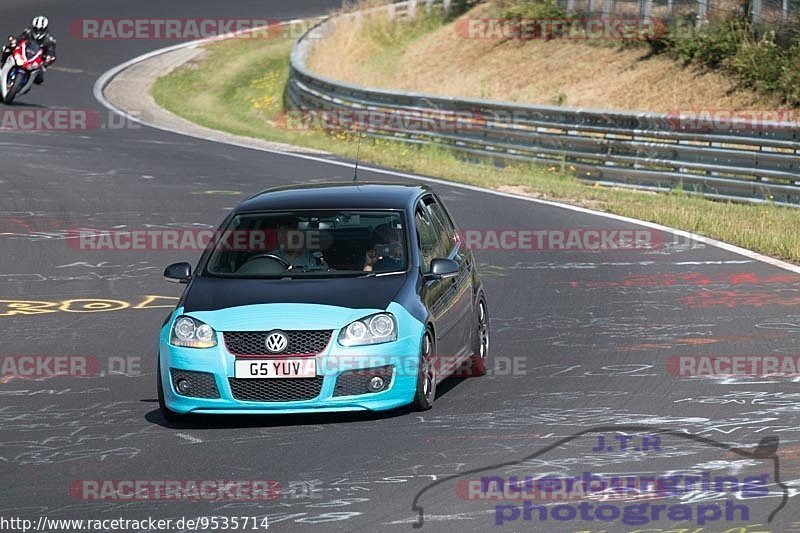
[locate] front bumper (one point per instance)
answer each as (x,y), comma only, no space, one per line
(402,355)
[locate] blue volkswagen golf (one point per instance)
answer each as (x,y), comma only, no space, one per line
(324,298)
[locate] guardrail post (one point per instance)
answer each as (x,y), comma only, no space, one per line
(756,11)
(428,5)
(784,9)
(447,4)
(670,7)
(570,6)
(645,9)
(412,9)
(702,12)
(608,5)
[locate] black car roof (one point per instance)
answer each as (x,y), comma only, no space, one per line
(363,195)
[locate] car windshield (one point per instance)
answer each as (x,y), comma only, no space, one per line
(310,244)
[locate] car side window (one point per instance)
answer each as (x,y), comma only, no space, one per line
(428,239)
(447,219)
(442,225)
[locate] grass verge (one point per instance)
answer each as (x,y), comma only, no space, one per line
(238,87)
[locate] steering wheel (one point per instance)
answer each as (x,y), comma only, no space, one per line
(286,264)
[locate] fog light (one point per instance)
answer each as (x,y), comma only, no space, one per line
(376,384)
(183,386)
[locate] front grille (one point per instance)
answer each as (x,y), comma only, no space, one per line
(355,381)
(309,342)
(201,384)
(276,390)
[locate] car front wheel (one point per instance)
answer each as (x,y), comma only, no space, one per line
(426,375)
(476,365)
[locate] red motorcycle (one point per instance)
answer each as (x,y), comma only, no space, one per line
(20,69)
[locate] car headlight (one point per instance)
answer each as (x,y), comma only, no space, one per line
(191,333)
(373,329)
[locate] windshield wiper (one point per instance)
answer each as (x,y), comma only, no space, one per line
(382,274)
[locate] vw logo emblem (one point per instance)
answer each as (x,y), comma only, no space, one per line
(277,341)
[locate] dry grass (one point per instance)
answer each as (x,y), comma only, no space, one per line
(433,58)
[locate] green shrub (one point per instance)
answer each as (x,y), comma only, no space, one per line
(534,9)
(459,7)
(764,61)
(765,66)
(790,77)
(711,45)
(758,62)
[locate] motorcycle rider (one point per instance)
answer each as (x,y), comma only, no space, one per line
(40,33)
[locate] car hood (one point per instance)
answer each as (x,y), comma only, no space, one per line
(211,294)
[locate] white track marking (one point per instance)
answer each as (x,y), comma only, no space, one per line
(193,440)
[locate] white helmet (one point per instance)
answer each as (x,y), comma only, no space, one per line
(39,26)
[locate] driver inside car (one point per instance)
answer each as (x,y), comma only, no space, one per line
(292,247)
(387,252)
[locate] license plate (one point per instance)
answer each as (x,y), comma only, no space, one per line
(276,368)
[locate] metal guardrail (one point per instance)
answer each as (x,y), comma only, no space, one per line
(641,150)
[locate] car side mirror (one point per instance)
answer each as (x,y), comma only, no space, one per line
(178,273)
(442,268)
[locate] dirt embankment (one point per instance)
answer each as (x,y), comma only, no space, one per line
(564,72)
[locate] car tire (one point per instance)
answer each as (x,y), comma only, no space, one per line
(426,374)
(168,414)
(480,343)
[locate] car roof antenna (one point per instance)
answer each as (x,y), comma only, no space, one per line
(358,154)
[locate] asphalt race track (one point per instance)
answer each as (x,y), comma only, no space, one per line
(581,339)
